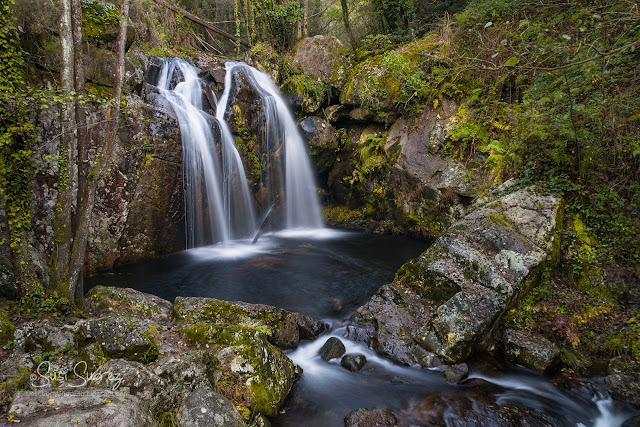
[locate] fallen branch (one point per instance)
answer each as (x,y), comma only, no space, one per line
(190,16)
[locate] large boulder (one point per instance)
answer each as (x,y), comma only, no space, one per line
(42,337)
(244,338)
(282,328)
(205,408)
(449,300)
(79,406)
(189,370)
(105,300)
(121,337)
(325,58)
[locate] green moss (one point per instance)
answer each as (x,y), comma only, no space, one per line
(500,220)
(6,329)
(428,284)
(313,92)
(99,21)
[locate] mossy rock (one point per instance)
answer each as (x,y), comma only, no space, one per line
(428,284)
(219,318)
(6,329)
(261,371)
(102,300)
(120,337)
(325,58)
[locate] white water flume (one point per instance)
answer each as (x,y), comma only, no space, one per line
(219,205)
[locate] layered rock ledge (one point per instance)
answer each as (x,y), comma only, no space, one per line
(447,303)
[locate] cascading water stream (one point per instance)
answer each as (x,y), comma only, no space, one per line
(219,204)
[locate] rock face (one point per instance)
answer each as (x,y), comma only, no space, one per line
(135,217)
(325,58)
(527,349)
(80,406)
(448,301)
(204,408)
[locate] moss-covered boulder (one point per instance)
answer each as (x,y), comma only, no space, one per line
(282,328)
(42,337)
(325,58)
(244,337)
(120,337)
(105,300)
(624,379)
(189,370)
(449,301)
(6,329)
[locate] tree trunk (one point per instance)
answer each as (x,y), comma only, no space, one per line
(81,112)
(305,26)
(66,163)
(347,26)
(101,168)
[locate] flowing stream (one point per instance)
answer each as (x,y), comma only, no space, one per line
(319,272)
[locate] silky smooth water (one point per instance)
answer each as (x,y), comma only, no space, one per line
(328,274)
(219,205)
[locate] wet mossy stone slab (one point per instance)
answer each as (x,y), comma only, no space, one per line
(104,300)
(282,328)
(450,300)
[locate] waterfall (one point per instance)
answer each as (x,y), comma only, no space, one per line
(219,203)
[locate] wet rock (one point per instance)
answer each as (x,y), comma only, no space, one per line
(354,363)
(450,299)
(190,370)
(121,337)
(41,336)
(263,374)
(331,349)
(105,300)
(6,329)
(530,350)
(325,58)
(456,373)
(388,321)
(205,408)
(283,328)
(317,131)
(364,417)
(137,379)
(80,406)
(624,380)
(323,141)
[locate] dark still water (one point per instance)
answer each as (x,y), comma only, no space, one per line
(328,274)
(325,274)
